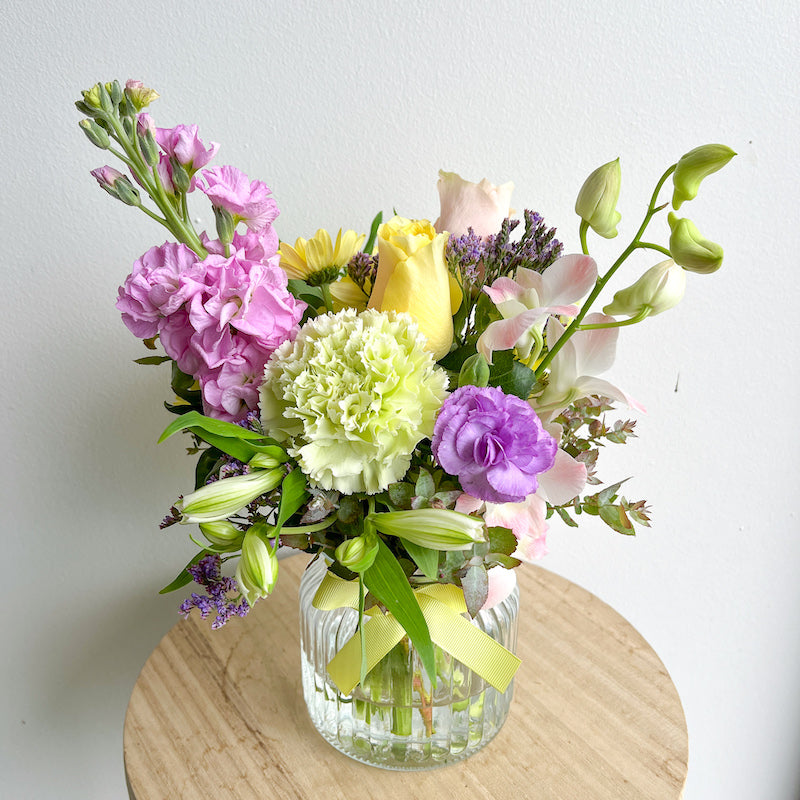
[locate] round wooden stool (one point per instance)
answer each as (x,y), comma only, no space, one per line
(221,713)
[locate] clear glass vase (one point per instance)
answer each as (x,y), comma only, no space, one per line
(394,721)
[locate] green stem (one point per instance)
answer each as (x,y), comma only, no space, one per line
(601,282)
(644,313)
(651,246)
(317,526)
(152,185)
(583,230)
(326,296)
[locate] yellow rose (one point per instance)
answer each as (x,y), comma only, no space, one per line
(413,277)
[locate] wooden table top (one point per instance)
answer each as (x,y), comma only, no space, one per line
(220,714)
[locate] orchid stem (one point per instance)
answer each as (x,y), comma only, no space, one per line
(601,282)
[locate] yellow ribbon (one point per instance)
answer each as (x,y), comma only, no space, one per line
(442,605)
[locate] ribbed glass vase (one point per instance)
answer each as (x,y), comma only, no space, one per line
(394,721)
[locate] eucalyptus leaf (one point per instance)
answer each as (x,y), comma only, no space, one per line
(475,584)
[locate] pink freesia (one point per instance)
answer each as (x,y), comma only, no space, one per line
(480,206)
(183,144)
(248,202)
(527,301)
(574,368)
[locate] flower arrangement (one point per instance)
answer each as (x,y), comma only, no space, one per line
(413,402)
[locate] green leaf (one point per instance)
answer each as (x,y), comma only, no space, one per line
(293,495)
(205,465)
(386,580)
(455,359)
(502,540)
(308,294)
(184,577)
(502,560)
(400,495)
(204,423)
(510,375)
(564,514)
(425,558)
(182,385)
(425,486)
(151,360)
(373,232)
(616,518)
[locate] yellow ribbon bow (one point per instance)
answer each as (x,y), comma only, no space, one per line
(442,605)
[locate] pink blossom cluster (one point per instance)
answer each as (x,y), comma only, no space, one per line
(219,318)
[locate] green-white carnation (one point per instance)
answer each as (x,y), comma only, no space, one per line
(352,396)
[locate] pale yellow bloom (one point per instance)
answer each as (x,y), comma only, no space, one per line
(318,254)
(413,278)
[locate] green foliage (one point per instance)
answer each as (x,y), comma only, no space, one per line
(510,375)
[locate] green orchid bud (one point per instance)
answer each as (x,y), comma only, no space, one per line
(690,249)
(659,289)
(474,372)
(95,134)
(436,528)
(257,570)
(694,166)
(139,95)
(222,498)
(597,200)
(225,224)
(222,534)
(358,554)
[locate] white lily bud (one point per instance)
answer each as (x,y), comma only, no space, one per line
(436,528)
(222,498)
(257,570)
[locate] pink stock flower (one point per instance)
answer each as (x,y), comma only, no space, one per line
(530,299)
(250,297)
(183,144)
(480,206)
(161,281)
(106,176)
(230,391)
(175,334)
(250,245)
(248,202)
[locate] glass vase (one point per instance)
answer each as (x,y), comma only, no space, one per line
(394,720)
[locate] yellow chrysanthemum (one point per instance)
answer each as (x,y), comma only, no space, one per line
(315,259)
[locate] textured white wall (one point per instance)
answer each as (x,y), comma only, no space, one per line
(344,109)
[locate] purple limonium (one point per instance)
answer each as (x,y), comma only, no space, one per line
(207,573)
(248,201)
(493,442)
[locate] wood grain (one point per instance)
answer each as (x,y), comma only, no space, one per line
(221,713)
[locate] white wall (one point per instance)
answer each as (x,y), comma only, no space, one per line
(345,109)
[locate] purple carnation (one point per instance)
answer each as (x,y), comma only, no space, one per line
(493,442)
